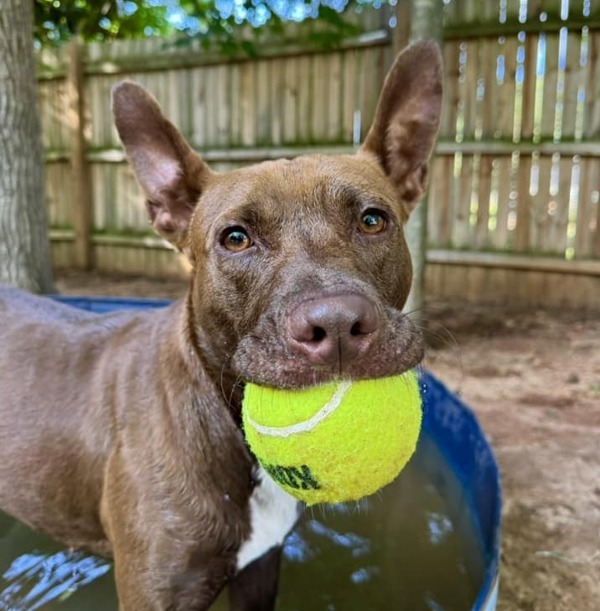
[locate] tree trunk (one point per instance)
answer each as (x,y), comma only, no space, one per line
(24,246)
(426,22)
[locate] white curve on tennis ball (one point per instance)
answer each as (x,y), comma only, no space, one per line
(311,423)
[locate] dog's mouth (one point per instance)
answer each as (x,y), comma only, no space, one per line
(266,358)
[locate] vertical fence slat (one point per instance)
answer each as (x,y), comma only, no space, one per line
(80,176)
(248,104)
(290,101)
(305,100)
(505,119)
(222,110)
(233,97)
(437,202)
(441,200)
(333,98)
(490,105)
(211,116)
(592,106)
(558,209)
(276,87)
(469,90)
(550,86)
(349,102)
(523,210)
(529,87)
(512,9)
(451,95)
(500,235)
(320,106)
(571,86)
(483,200)
(589,191)
(596,232)
(461,229)
(370,71)
(539,204)
(198,103)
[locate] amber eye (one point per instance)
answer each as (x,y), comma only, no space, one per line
(235,239)
(372,221)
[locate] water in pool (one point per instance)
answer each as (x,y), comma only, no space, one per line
(411,547)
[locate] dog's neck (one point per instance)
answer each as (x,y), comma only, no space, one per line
(199,399)
(206,356)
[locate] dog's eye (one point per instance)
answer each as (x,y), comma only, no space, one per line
(235,239)
(372,221)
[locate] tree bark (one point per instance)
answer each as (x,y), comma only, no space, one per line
(426,22)
(24,246)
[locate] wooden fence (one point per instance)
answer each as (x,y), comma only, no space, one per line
(517,170)
(515,185)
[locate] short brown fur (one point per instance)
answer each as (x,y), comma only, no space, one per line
(120,433)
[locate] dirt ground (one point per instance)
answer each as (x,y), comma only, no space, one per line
(533,378)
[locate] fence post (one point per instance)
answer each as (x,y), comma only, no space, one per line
(81,175)
(425,22)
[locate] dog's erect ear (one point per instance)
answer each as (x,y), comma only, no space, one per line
(407,120)
(170,172)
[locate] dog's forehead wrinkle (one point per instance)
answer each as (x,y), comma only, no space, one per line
(303,184)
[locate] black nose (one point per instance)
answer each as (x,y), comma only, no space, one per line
(334,330)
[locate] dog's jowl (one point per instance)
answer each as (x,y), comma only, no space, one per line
(121,433)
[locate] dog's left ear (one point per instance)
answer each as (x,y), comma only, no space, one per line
(407,119)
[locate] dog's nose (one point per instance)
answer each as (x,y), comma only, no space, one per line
(334,330)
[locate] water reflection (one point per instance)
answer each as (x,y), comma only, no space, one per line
(440,526)
(37,579)
(37,573)
(411,547)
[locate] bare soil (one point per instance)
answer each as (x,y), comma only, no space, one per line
(533,378)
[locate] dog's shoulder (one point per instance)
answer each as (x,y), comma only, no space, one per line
(26,306)
(43,316)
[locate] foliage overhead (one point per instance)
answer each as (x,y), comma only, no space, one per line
(215,22)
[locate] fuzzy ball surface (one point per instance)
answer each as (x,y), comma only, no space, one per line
(337,442)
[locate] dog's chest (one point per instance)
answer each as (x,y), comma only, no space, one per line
(273,513)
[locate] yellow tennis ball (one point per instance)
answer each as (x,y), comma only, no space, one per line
(334,443)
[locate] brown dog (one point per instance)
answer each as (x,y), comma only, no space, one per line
(121,433)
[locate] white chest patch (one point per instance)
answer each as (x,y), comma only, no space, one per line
(273,513)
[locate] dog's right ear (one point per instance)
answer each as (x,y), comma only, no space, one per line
(170,172)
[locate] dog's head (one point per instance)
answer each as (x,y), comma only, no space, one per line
(300,267)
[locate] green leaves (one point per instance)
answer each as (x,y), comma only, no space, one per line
(227,26)
(57,21)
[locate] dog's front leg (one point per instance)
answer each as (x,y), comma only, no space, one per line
(155,571)
(143,585)
(254,588)
(162,561)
